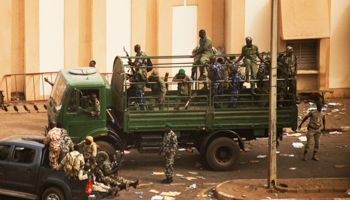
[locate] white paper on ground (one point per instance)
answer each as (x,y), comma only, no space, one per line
(302,138)
(297,144)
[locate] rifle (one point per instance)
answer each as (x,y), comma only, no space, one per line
(166,79)
(132,69)
(194,95)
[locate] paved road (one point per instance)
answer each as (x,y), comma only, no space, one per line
(332,152)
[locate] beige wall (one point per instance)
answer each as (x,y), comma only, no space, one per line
(35,39)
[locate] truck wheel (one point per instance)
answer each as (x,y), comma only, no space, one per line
(53,193)
(107,147)
(222,154)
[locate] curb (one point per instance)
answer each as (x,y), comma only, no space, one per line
(224,196)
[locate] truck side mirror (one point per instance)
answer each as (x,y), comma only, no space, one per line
(84,102)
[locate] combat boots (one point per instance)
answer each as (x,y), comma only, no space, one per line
(314,157)
(115,191)
(305,156)
(167,180)
(124,186)
(136,183)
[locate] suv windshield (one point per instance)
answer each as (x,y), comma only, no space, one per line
(58,91)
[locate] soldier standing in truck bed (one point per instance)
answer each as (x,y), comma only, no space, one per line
(158,90)
(184,89)
(136,90)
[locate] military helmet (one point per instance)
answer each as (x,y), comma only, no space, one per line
(289,48)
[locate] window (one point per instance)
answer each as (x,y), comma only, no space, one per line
(23,155)
(73,102)
(306,51)
(58,92)
(4,151)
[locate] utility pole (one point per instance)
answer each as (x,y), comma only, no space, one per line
(272,101)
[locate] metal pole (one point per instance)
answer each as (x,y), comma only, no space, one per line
(272,112)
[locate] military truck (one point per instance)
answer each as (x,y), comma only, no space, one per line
(218,134)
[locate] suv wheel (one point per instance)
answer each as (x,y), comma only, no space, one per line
(53,193)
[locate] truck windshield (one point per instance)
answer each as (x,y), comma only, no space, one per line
(58,92)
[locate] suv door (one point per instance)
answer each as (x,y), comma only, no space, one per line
(22,169)
(4,155)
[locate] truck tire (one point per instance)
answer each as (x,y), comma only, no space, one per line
(107,147)
(53,193)
(222,154)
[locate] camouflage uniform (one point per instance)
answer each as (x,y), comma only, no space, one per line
(66,144)
(203,57)
(236,82)
(136,90)
(263,86)
(89,150)
(65,161)
(288,64)
(250,55)
(314,128)
(182,92)
(158,91)
(216,89)
(113,179)
(224,85)
(169,145)
(53,138)
(142,61)
(97,107)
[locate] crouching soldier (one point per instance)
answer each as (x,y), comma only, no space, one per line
(72,163)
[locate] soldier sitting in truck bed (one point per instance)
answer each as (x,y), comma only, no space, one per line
(184,89)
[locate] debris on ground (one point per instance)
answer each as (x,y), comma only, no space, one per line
(291,155)
(347,192)
(189,178)
(140,193)
(158,173)
(292,168)
(197,164)
(261,156)
(179,175)
(127,152)
(192,172)
(170,193)
(254,161)
(182,149)
(335,132)
(157,197)
(168,198)
(154,191)
(297,144)
(339,166)
(193,186)
(200,177)
(302,138)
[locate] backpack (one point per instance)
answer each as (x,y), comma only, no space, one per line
(64,143)
(72,165)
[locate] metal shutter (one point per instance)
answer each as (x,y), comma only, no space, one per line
(306,52)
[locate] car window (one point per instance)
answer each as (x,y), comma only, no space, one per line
(73,102)
(23,155)
(4,151)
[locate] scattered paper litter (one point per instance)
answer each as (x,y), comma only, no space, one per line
(332,104)
(335,110)
(261,156)
(292,168)
(200,177)
(291,155)
(168,198)
(297,144)
(339,166)
(277,152)
(179,175)
(302,138)
(335,132)
(284,154)
(158,173)
(189,178)
(182,149)
(154,191)
(192,172)
(157,197)
(295,134)
(170,193)
(341,113)
(254,161)
(193,186)
(311,109)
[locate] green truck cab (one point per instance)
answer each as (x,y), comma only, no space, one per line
(218,134)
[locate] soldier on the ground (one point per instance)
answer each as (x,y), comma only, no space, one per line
(234,85)
(89,147)
(214,74)
(287,68)
(110,174)
(96,104)
(317,119)
(66,143)
(250,52)
(158,90)
(264,86)
(136,90)
(92,63)
(184,89)
(72,163)
(169,149)
(201,56)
